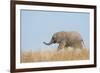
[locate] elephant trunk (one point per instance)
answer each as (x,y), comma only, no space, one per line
(48,43)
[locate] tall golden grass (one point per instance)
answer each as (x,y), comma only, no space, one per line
(62,55)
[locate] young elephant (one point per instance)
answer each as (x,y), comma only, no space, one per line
(67,39)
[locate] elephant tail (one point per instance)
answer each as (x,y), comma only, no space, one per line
(83,44)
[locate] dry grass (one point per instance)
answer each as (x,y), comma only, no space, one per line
(65,54)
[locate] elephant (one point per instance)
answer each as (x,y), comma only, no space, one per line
(67,39)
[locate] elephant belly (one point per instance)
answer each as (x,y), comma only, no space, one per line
(74,44)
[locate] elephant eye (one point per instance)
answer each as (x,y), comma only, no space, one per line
(53,38)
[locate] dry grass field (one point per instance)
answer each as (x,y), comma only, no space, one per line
(62,55)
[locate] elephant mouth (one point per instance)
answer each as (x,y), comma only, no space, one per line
(54,41)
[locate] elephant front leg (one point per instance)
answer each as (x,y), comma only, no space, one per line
(61,45)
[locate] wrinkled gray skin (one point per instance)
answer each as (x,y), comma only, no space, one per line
(67,39)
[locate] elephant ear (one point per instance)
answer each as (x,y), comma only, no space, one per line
(60,38)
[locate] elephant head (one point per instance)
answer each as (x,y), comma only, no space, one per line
(53,40)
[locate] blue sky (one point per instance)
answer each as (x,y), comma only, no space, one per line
(39,26)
